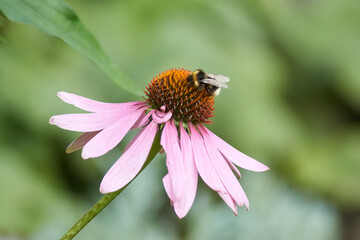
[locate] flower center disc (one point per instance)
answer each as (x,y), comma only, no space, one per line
(179,95)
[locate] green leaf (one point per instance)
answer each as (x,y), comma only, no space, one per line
(57,18)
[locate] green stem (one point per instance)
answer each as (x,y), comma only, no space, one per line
(107,198)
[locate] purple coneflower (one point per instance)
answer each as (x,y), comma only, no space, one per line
(178,108)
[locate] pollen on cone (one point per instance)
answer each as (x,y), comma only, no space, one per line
(178,94)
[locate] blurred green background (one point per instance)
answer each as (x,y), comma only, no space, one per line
(293,103)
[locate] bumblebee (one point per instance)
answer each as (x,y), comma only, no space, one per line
(212,83)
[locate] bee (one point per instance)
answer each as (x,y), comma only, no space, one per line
(212,83)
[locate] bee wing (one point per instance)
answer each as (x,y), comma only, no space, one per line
(215,83)
(219,78)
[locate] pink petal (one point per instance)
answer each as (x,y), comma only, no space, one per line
(189,176)
(190,171)
(234,168)
(80,141)
(229,201)
(174,163)
(108,138)
(89,122)
(92,105)
(141,122)
(234,155)
(134,139)
(168,189)
(84,122)
(130,163)
(203,165)
(226,175)
(161,117)
(206,168)
(145,119)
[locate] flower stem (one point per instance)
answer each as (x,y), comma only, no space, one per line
(107,198)
(82,222)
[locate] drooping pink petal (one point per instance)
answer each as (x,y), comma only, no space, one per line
(133,139)
(108,138)
(146,118)
(92,105)
(80,141)
(226,175)
(234,155)
(206,168)
(190,171)
(83,122)
(234,168)
(168,189)
(229,201)
(141,122)
(203,165)
(89,122)
(190,178)
(130,163)
(174,163)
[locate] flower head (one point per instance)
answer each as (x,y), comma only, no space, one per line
(178,108)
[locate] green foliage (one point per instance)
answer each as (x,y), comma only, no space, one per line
(57,18)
